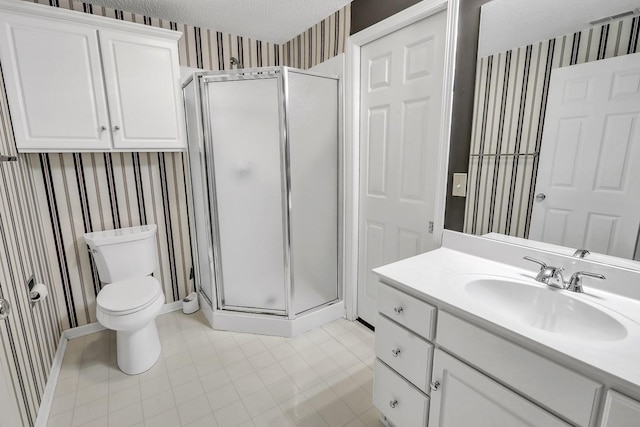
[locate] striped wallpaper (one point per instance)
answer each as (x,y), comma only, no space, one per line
(29,336)
(48,201)
(510,102)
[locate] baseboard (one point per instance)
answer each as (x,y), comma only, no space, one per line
(52,382)
(172,306)
(80,331)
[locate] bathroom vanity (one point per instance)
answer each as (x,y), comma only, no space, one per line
(466,336)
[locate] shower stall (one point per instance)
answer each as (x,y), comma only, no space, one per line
(264,157)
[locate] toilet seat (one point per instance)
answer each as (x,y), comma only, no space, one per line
(128,296)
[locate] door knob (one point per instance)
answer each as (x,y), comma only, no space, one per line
(102,128)
(5,308)
(395,352)
(540,197)
(393,403)
(398,310)
(116,128)
(435,385)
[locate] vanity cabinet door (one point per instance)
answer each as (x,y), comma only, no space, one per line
(465,397)
(620,411)
(54,83)
(142,78)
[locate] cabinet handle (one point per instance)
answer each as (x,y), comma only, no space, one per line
(395,352)
(435,385)
(102,128)
(393,403)
(116,128)
(398,310)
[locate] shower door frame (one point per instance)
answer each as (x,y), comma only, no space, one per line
(281,75)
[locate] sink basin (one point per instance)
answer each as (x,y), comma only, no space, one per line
(547,309)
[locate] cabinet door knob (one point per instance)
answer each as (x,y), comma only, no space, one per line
(116,128)
(435,385)
(398,310)
(393,403)
(102,128)
(395,352)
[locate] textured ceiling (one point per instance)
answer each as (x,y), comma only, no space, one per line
(276,21)
(507,24)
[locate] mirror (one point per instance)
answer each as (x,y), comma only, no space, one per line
(555,145)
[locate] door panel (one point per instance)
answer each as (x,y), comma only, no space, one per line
(589,167)
(143,83)
(400,106)
(468,398)
(57,106)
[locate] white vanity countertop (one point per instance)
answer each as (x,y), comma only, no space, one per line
(439,276)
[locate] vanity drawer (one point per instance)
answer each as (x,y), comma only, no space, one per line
(403,404)
(559,389)
(404,351)
(410,312)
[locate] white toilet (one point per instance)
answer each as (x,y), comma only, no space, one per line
(131,298)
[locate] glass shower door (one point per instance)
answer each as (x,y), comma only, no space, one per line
(245,138)
(312,113)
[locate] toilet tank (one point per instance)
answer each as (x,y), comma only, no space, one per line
(124,253)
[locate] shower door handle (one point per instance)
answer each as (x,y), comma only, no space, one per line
(5,309)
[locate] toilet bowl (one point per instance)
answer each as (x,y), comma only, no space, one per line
(131,298)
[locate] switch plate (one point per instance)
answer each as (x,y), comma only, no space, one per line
(459,185)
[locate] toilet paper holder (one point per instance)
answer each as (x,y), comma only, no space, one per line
(34,297)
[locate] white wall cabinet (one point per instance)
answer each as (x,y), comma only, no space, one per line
(77,82)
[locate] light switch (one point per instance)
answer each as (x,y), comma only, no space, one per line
(459,185)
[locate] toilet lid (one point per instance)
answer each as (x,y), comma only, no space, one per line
(128,295)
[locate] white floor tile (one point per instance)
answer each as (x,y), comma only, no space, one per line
(90,411)
(258,402)
(165,419)
(217,378)
(222,396)
(127,416)
(193,410)
(158,403)
(124,398)
(154,386)
(232,415)
(188,391)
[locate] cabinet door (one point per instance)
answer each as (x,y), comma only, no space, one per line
(620,411)
(142,77)
(54,84)
(465,397)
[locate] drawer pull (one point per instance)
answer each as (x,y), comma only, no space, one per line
(395,352)
(398,310)
(435,385)
(393,403)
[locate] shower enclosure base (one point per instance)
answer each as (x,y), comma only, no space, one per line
(279,326)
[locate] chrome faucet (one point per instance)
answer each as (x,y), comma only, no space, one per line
(551,276)
(575,283)
(581,253)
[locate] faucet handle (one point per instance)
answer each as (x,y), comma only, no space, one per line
(537,261)
(581,253)
(575,283)
(548,274)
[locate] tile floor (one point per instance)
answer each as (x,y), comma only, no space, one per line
(215,378)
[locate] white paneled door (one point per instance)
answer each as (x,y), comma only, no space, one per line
(401,81)
(588,185)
